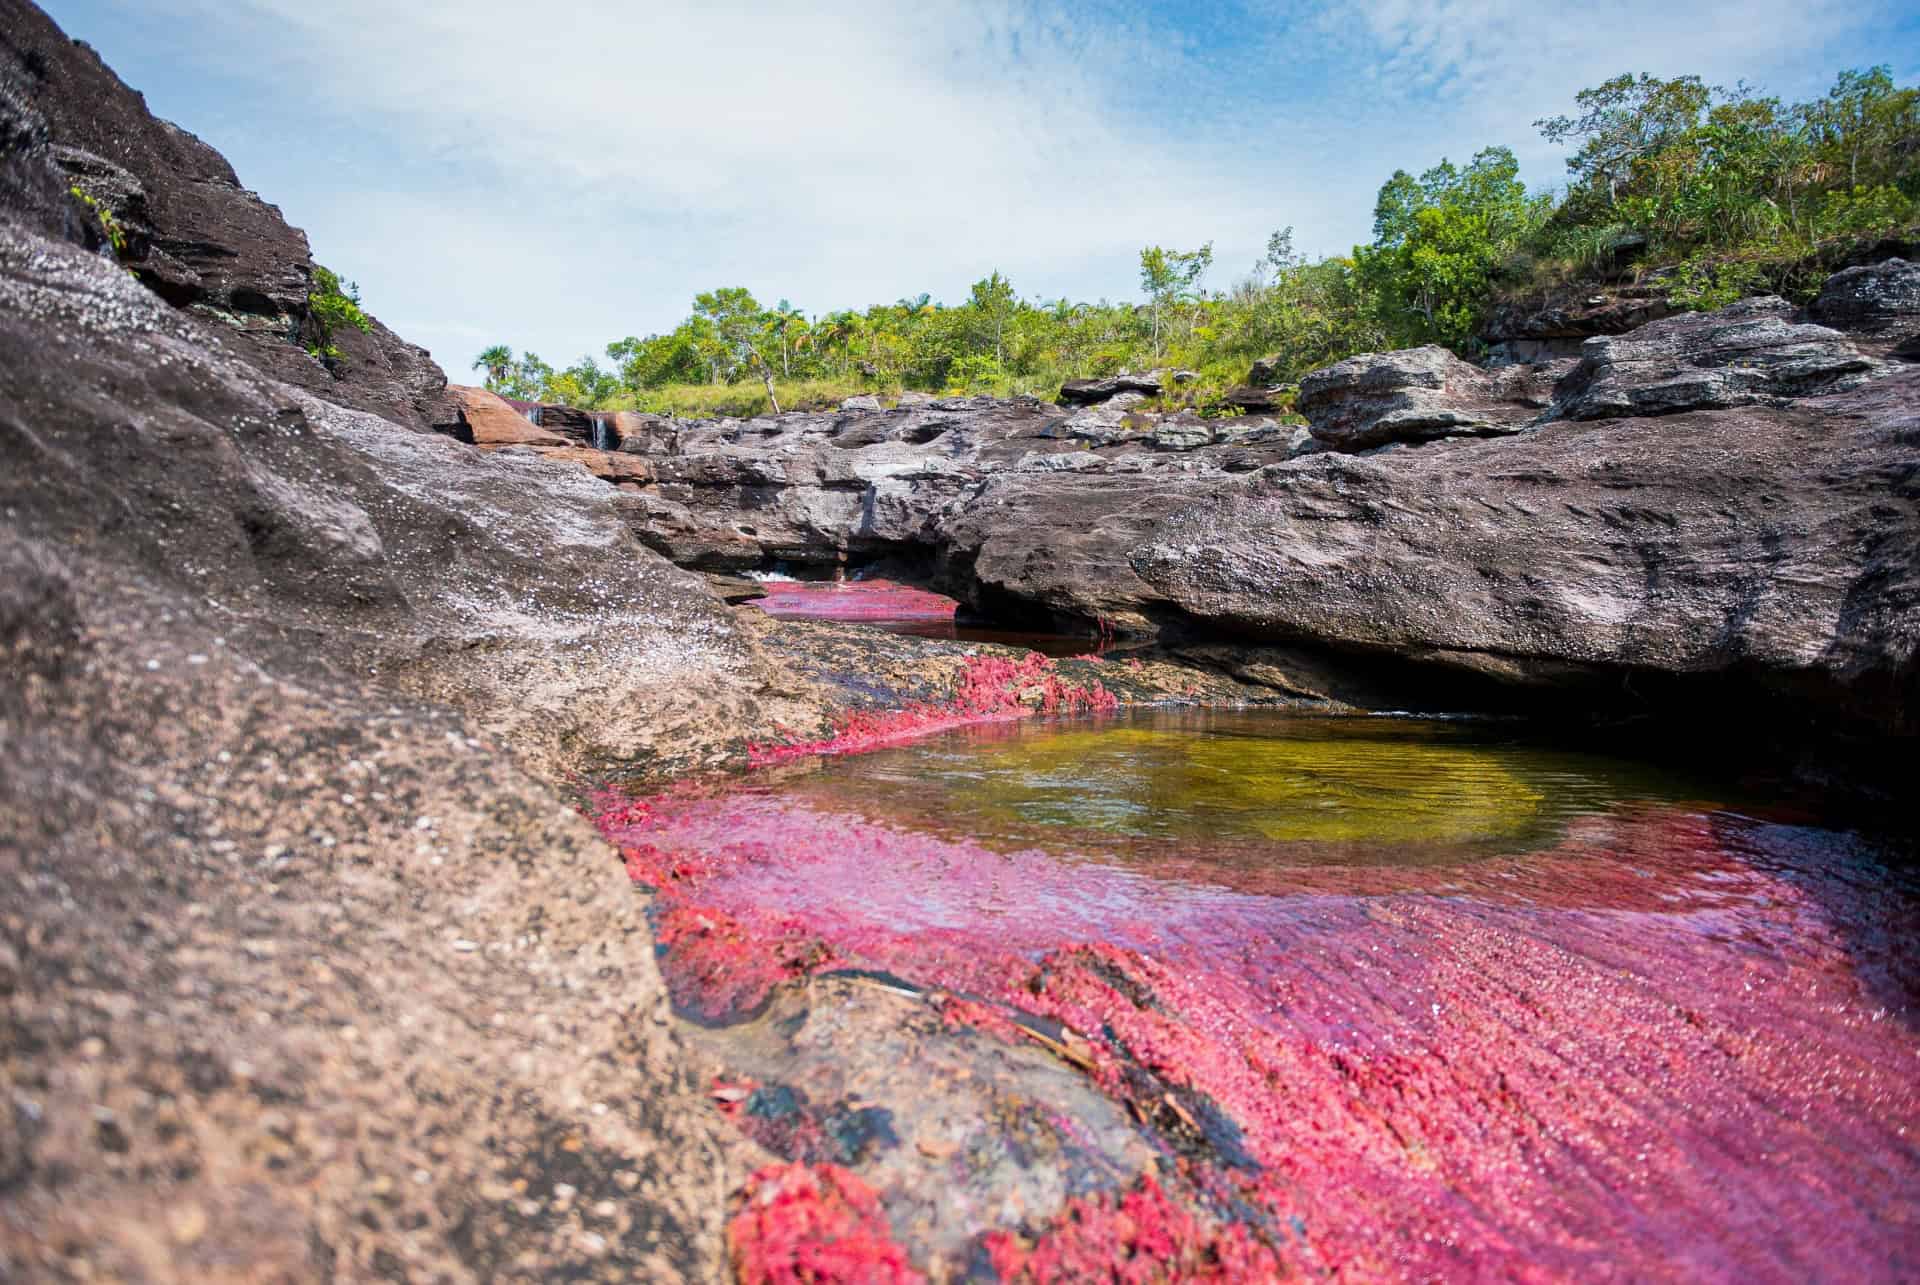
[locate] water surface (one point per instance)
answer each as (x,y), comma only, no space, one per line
(1437,1000)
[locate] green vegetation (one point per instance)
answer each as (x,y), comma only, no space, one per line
(1709,194)
(109,226)
(332,304)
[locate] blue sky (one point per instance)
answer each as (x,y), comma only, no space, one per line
(558,175)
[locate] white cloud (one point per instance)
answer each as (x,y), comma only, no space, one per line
(560,175)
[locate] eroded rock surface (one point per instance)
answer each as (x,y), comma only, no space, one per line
(1781,543)
(197,237)
(1749,353)
(1415,395)
(1880,301)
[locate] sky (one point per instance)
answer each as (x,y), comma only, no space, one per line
(560,175)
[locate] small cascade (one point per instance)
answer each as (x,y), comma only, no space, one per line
(533,415)
(605,437)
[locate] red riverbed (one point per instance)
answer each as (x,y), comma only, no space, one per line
(854,600)
(1670,1042)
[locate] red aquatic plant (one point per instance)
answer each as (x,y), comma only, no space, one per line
(1137,1237)
(800,1224)
(989,687)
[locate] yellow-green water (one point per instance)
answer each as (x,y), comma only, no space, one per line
(1306,788)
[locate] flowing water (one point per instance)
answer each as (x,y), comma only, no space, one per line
(1387,997)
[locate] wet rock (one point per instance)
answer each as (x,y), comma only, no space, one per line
(1415,395)
(1749,353)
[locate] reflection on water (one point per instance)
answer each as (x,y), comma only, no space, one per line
(1242,785)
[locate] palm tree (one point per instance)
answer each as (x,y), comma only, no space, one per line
(495,361)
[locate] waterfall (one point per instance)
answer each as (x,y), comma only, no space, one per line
(604,437)
(533,415)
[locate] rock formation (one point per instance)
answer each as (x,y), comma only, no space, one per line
(1411,396)
(1750,353)
(195,236)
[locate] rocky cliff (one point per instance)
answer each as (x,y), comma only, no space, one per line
(1723,501)
(191,233)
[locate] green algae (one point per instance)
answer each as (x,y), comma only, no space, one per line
(1240,785)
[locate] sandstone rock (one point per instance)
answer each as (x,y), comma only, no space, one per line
(1576,313)
(1113,420)
(263,650)
(1265,372)
(1258,399)
(608,466)
(1880,300)
(866,401)
(1091,392)
(1774,545)
(197,237)
(1749,353)
(492,422)
(1415,395)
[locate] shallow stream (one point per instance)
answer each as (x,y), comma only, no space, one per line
(1382,996)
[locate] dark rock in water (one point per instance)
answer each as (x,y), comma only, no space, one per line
(1777,544)
(1414,395)
(200,240)
(1749,353)
(1878,302)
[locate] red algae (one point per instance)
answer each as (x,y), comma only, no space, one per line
(1670,1042)
(989,688)
(854,600)
(813,1225)
(1140,1237)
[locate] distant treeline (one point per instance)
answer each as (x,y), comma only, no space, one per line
(1726,190)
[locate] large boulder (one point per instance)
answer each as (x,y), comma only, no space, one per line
(1772,544)
(1415,395)
(1750,353)
(199,239)
(1879,301)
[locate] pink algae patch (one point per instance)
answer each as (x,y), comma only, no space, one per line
(1139,1237)
(854,600)
(989,688)
(1670,1043)
(813,1224)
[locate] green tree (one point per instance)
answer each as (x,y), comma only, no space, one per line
(1438,243)
(1624,121)
(496,360)
(993,303)
(1169,278)
(741,329)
